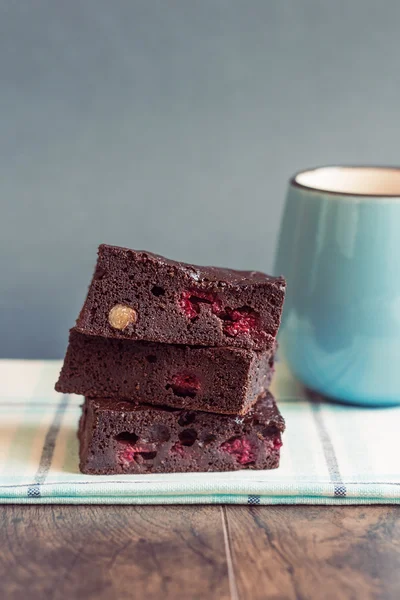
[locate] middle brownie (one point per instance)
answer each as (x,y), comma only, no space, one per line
(221,380)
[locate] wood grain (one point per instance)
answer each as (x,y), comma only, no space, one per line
(54,552)
(195,552)
(298,553)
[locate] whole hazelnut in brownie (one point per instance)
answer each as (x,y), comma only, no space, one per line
(141,296)
(121,437)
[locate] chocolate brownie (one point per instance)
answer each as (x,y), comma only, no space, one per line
(222,380)
(121,437)
(142,296)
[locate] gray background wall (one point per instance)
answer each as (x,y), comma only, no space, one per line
(172,125)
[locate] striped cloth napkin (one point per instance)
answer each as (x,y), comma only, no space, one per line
(332,454)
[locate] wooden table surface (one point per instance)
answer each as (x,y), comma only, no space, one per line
(190,552)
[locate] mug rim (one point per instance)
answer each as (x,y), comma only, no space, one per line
(293,181)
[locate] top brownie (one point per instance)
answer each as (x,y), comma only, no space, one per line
(141,296)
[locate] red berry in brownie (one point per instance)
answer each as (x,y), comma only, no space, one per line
(190,302)
(141,296)
(185,384)
(241,449)
(224,380)
(240,321)
(138,453)
(177,448)
(171,440)
(273,443)
(126,455)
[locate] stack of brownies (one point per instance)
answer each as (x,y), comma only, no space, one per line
(175,363)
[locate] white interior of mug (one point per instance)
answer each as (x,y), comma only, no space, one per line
(354,181)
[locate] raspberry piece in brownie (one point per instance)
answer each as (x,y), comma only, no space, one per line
(141,296)
(121,437)
(222,380)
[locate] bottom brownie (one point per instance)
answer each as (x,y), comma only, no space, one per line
(121,437)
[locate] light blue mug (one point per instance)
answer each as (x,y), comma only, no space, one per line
(339,249)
